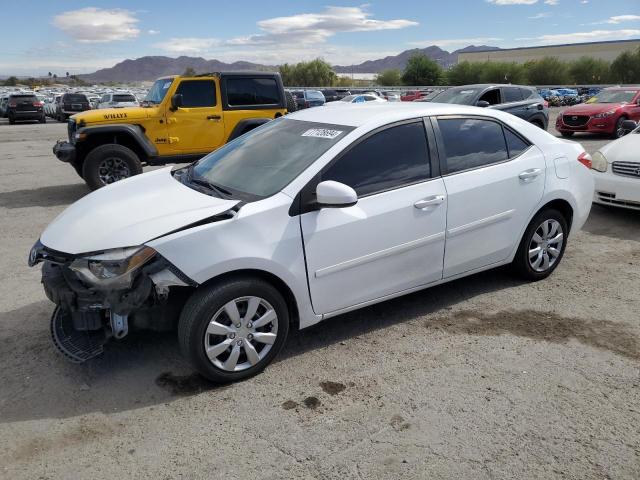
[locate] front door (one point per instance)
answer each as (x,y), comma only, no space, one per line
(393,238)
(494,180)
(198,125)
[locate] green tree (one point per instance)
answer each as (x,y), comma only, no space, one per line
(465,73)
(389,78)
(316,73)
(50,74)
(503,72)
(588,70)
(189,72)
(421,70)
(626,67)
(547,71)
(11,82)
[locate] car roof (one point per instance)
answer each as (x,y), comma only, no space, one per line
(357,115)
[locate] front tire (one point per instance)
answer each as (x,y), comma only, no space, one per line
(567,134)
(108,164)
(542,246)
(618,131)
(232,330)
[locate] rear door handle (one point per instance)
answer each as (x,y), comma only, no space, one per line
(214,117)
(429,202)
(530,174)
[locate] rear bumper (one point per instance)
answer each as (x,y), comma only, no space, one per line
(64,151)
(30,115)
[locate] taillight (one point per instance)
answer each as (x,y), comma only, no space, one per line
(38,104)
(13,105)
(545,103)
(585,159)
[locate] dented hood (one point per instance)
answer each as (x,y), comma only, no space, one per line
(129,213)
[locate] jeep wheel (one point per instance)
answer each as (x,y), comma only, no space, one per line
(108,164)
(292,106)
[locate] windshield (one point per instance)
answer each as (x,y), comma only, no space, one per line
(265,160)
(315,94)
(461,96)
(158,90)
(615,96)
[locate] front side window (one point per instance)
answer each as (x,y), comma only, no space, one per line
(263,161)
(388,159)
(197,93)
(252,91)
(471,143)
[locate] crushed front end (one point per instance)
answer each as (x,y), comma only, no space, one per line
(105,295)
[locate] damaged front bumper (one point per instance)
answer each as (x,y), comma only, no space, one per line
(87,316)
(64,151)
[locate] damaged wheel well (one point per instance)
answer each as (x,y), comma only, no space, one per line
(274,280)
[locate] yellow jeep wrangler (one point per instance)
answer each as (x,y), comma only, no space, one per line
(180,120)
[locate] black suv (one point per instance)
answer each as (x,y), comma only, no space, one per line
(522,101)
(24,106)
(70,104)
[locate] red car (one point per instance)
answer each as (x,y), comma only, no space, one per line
(413,95)
(604,115)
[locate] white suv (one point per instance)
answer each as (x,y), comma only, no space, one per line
(117,100)
(309,216)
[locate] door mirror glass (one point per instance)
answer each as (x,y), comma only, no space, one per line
(331,194)
(482,103)
(176,101)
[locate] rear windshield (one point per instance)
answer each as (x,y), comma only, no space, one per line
(75,97)
(124,98)
(21,98)
(315,94)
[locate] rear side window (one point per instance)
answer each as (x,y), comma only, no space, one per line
(252,91)
(197,93)
(515,143)
(471,143)
(512,94)
(528,93)
(388,159)
(124,98)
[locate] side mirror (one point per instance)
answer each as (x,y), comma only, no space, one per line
(330,194)
(482,104)
(176,101)
(629,125)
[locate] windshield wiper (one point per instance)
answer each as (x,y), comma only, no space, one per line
(220,191)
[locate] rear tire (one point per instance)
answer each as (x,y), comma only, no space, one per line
(12,119)
(108,164)
(43,119)
(539,242)
(567,134)
(210,303)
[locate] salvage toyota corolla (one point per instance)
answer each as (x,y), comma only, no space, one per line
(305,218)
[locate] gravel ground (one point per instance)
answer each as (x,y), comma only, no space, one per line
(482,378)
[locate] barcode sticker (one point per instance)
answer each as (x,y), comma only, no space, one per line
(322,133)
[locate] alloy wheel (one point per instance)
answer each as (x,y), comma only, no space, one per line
(113,169)
(546,245)
(241,334)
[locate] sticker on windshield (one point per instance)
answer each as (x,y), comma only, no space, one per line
(322,133)
(166,85)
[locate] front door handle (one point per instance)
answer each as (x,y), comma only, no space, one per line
(214,117)
(530,174)
(429,202)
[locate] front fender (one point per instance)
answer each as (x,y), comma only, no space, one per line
(133,131)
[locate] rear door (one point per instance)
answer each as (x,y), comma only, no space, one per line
(512,102)
(393,238)
(494,179)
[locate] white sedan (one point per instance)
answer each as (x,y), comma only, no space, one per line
(616,170)
(309,216)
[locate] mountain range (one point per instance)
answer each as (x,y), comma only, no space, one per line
(152,67)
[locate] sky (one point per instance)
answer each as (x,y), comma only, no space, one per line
(79,37)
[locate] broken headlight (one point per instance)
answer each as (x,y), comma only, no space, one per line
(114,268)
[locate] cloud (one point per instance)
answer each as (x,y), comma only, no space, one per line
(538,16)
(513,2)
(464,42)
(289,38)
(153,32)
(622,18)
(578,37)
(551,2)
(96,25)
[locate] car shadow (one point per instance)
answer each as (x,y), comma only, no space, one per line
(43,196)
(619,223)
(147,369)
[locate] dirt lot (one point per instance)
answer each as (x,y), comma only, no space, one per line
(482,378)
